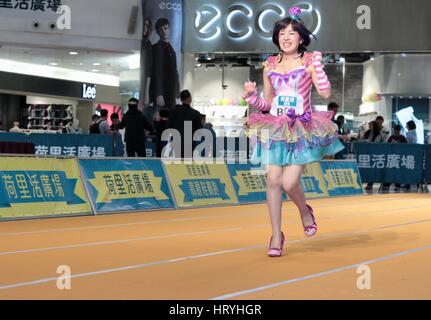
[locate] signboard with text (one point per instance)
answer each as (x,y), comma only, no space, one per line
(34,187)
(126,185)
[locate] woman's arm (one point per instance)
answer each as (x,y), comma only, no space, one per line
(251,96)
(319,77)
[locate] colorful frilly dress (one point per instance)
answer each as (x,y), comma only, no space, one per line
(291,133)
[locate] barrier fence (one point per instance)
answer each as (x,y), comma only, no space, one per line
(44,187)
(390,163)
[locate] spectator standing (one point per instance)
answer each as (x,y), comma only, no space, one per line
(412,138)
(411,134)
(115,120)
(397,137)
(373,135)
(160,125)
(333,107)
(94,127)
(104,127)
(180,115)
(137,127)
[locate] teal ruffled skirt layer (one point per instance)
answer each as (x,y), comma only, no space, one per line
(282,153)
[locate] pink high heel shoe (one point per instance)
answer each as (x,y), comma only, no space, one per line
(276,252)
(310,231)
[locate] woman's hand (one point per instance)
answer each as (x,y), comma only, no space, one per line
(249,89)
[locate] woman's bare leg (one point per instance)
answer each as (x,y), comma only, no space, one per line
(292,186)
(273,196)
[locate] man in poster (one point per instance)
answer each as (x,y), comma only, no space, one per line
(165,85)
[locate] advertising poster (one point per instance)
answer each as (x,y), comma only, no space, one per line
(342,178)
(313,183)
(32,187)
(132,185)
(196,185)
(161,66)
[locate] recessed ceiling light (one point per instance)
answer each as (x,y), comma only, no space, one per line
(53,64)
(73,53)
(96,64)
(94,70)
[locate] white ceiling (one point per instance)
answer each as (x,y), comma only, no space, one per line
(111,63)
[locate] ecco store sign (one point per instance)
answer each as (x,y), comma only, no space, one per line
(89,91)
(239,21)
(170,5)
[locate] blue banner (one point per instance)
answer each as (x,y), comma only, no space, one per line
(37,186)
(78,145)
(390,163)
(341,178)
(126,185)
(427,169)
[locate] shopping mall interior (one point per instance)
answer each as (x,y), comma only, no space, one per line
(134,218)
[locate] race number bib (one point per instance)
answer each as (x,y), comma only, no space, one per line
(282,103)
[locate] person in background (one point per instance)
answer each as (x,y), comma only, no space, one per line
(104,127)
(373,135)
(411,134)
(333,106)
(161,123)
(115,119)
(343,132)
(380,120)
(180,115)
(15,128)
(397,137)
(412,138)
(94,127)
(137,127)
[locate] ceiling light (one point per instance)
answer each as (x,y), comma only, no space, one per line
(53,64)
(73,53)
(94,70)
(96,64)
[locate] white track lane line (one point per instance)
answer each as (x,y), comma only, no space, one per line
(320,274)
(108,242)
(203,255)
(100,243)
(162,221)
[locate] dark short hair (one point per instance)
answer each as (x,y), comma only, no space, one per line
(332,106)
(298,26)
(341,117)
(114,116)
(411,125)
(185,94)
(164,113)
(397,128)
(103,113)
(161,23)
(380,118)
(133,101)
(94,117)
